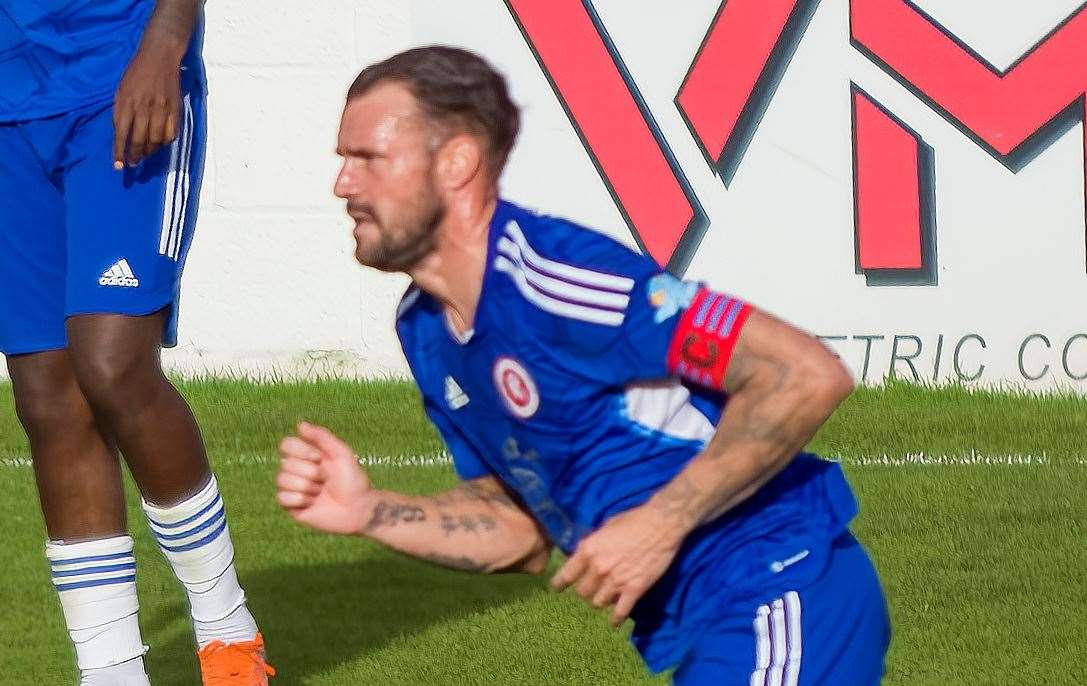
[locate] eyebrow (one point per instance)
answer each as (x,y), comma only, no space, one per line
(356,151)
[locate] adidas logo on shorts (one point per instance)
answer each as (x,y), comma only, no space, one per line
(120,274)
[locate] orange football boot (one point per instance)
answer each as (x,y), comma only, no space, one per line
(235,664)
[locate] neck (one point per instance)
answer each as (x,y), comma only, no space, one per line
(453,273)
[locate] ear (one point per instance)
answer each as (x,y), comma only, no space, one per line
(459,160)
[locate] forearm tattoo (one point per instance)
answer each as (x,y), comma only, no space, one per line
(390,514)
(472,523)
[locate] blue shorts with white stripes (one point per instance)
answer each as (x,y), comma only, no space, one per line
(832,632)
(78,237)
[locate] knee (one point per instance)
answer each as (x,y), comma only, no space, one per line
(115,382)
(48,402)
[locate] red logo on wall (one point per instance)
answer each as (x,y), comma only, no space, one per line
(1012,114)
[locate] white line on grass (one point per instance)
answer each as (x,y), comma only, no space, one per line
(925,460)
(244,459)
(920,459)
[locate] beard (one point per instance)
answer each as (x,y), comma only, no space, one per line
(404,240)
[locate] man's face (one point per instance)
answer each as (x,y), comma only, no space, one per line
(387,178)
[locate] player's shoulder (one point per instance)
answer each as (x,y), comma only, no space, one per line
(560,284)
(569,243)
(558,278)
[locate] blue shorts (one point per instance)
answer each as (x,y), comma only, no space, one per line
(78,237)
(833,632)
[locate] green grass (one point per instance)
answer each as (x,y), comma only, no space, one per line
(984,565)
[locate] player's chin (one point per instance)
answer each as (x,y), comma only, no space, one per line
(365,257)
(365,244)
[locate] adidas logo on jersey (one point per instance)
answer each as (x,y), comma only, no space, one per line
(454,395)
(120,274)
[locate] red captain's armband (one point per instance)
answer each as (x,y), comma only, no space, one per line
(705,336)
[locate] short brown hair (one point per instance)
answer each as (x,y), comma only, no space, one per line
(453,86)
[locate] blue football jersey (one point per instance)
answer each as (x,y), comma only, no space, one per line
(57,56)
(589,380)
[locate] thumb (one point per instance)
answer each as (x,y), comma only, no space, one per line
(324,440)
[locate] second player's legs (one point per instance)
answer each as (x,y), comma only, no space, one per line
(128,235)
(116,361)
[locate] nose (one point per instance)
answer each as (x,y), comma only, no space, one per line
(346,184)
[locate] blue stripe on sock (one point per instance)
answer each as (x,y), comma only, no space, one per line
(96,582)
(211,521)
(197,544)
(91,558)
(94,570)
(187,520)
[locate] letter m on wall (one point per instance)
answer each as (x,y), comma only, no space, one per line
(1012,114)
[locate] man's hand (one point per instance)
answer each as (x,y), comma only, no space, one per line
(147,105)
(620,561)
(321,483)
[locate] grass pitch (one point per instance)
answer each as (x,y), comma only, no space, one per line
(974,507)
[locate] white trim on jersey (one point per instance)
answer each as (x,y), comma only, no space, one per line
(407,300)
(549,284)
(665,406)
(580,275)
(560,288)
(554,305)
(176,196)
(778,643)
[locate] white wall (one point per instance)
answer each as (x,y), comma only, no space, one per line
(271,282)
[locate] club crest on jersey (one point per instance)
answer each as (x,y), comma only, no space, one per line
(668,295)
(516,387)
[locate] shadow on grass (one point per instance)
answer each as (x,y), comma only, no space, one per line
(317,617)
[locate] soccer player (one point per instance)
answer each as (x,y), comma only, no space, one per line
(102,127)
(648,427)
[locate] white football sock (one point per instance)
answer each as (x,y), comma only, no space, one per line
(96,584)
(129,673)
(194,537)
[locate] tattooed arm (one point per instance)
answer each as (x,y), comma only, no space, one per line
(476,527)
(782,385)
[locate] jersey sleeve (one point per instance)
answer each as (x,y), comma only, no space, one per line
(672,328)
(467,461)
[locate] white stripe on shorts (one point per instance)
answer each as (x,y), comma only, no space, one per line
(778,643)
(176,193)
(183,212)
